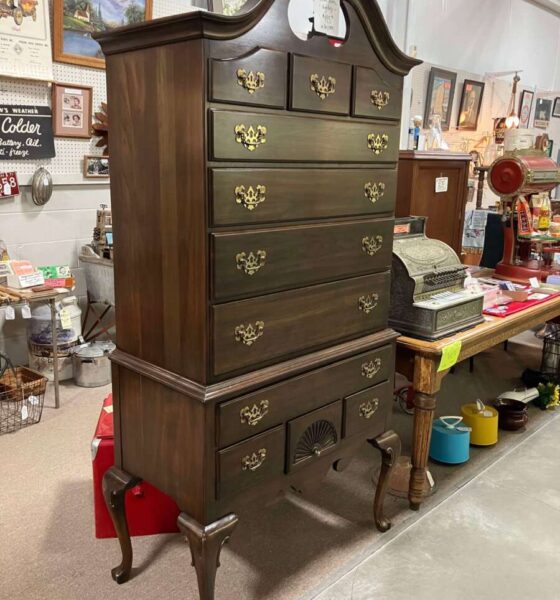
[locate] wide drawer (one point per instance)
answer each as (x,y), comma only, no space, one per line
(368,410)
(258,78)
(250,463)
(250,414)
(242,196)
(377,94)
(320,85)
(251,263)
(269,137)
(251,333)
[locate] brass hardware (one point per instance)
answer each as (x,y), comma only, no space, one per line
(372,245)
(369,408)
(377,142)
(253,461)
(367,303)
(323,87)
(253,415)
(380,99)
(251,81)
(250,198)
(250,334)
(374,191)
(250,138)
(250,263)
(371,368)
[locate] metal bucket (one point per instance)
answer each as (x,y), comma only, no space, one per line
(92,367)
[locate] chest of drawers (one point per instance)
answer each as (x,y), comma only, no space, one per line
(253,184)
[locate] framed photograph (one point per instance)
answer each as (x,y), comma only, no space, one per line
(439,98)
(96,167)
(471,101)
(556,109)
(543,108)
(525,106)
(72,107)
(75,20)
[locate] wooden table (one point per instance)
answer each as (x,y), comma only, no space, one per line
(419,360)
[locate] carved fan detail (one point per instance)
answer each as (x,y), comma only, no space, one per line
(100,129)
(315,439)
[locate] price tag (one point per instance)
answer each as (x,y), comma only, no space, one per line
(65,319)
(449,355)
(326,17)
(8,184)
(10,313)
(33,400)
(26,311)
(442,184)
(534,282)
(24,413)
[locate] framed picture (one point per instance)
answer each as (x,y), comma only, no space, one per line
(75,20)
(543,108)
(439,98)
(556,109)
(96,167)
(471,101)
(71,106)
(525,106)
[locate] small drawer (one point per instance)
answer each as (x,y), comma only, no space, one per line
(251,136)
(377,95)
(250,463)
(320,85)
(253,263)
(368,411)
(258,78)
(248,334)
(253,413)
(314,435)
(246,196)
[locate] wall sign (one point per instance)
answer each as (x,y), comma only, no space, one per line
(26,132)
(8,185)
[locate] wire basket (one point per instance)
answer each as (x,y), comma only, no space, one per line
(22,395)
(550,363)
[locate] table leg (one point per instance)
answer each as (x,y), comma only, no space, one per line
(424,406)
(52,302)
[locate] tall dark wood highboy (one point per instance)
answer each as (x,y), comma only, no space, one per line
(253,184)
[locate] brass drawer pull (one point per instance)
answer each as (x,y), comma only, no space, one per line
(377,142)
(252,415)
(323,87)
(374,191)
(249,334)
(367,303)
(250,198)
(249,137)
(250,81)
(380,99)
(253,461)
(250,263)
(371,368)
(369,408)
(372,245)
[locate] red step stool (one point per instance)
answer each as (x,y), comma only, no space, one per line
(148,510)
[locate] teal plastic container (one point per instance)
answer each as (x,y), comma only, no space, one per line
(450,441)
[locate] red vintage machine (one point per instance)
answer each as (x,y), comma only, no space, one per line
(516,177)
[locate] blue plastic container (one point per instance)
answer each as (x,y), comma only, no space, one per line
(450,441)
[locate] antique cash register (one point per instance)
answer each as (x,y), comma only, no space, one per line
(427,295)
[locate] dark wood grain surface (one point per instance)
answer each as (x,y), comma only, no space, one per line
(382,81)
(368,410)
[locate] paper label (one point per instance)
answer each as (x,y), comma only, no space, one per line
(26,311)
(326,17)
(430,478)
(449,355)
(108,409)
(534,282)
(10,313)
(65,319)
(24,413)
(33,400)
(442,184)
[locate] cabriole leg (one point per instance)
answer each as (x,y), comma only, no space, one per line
(389,444)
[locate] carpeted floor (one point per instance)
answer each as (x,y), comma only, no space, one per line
(290,549)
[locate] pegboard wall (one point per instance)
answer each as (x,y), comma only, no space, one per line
(67,166)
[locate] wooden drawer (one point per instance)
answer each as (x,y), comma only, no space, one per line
(250,463)
(247,264)
(250,414)
(313,435)
(368,410)
(251,333)
(242,196)
(320,85)
(237,135)
(258,78)
(377,94)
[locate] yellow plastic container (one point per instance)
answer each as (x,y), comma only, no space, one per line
(483,420)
